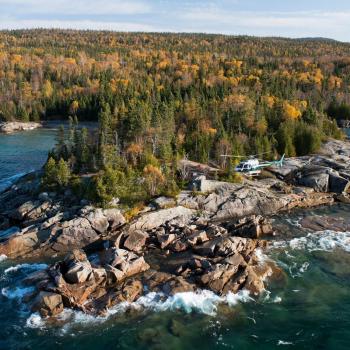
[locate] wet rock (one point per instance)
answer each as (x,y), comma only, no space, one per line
(48,304)
(322,223)
(36,277)
(131,290)
(256,276)
(178,285)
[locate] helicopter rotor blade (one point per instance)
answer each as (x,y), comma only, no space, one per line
(230,156)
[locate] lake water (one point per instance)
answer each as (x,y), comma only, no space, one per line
(23,152)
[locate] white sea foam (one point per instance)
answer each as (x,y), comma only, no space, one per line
(205,302)
(27,267)
(3,257)
(266,298)
(262,258)
(17,292)
(35,321)
(282,342)
(322,240)
(295,222)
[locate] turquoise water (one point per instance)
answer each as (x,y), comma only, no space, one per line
(307,307)
(23,152)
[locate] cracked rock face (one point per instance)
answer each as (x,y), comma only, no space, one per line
(211,257)
(49,224)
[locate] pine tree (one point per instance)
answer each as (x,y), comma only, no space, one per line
(63,173)
(50,173)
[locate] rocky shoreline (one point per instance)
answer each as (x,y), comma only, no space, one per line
(211,239)
(12,127)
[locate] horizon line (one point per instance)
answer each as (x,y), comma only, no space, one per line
(316,38)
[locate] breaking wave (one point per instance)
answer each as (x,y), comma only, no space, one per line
(26,267)
(20,291)
(322,240)
(3,257)
(204,301)
(16,293)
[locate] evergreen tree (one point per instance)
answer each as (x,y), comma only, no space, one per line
(63,173)
(50,173)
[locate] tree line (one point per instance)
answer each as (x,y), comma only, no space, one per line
(158,97)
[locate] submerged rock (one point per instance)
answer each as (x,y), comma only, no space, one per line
(322,223)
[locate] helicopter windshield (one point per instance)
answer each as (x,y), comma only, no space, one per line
(243,166)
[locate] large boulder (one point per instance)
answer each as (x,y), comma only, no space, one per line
(21,212)
(136,240)
(77,267)
(48,304)
(76,233)
(338,184)
(79,272)
(151,220)
(114,217)
(314,176)
(24,242)
(255,226)
(98,221)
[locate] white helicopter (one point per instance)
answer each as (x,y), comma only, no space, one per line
(253,166)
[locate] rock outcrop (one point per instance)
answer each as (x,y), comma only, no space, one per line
(200,240)
(177,258)
(11,127)
(48,223)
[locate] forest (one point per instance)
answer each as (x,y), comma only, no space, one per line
(159,97)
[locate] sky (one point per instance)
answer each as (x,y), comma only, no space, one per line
(288,18)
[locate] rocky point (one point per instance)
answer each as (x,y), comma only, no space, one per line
(210,239)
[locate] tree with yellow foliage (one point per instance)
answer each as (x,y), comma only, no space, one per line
(154,179)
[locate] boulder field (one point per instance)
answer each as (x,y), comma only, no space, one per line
(199,240)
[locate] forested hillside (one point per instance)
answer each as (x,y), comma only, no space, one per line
(165,95)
